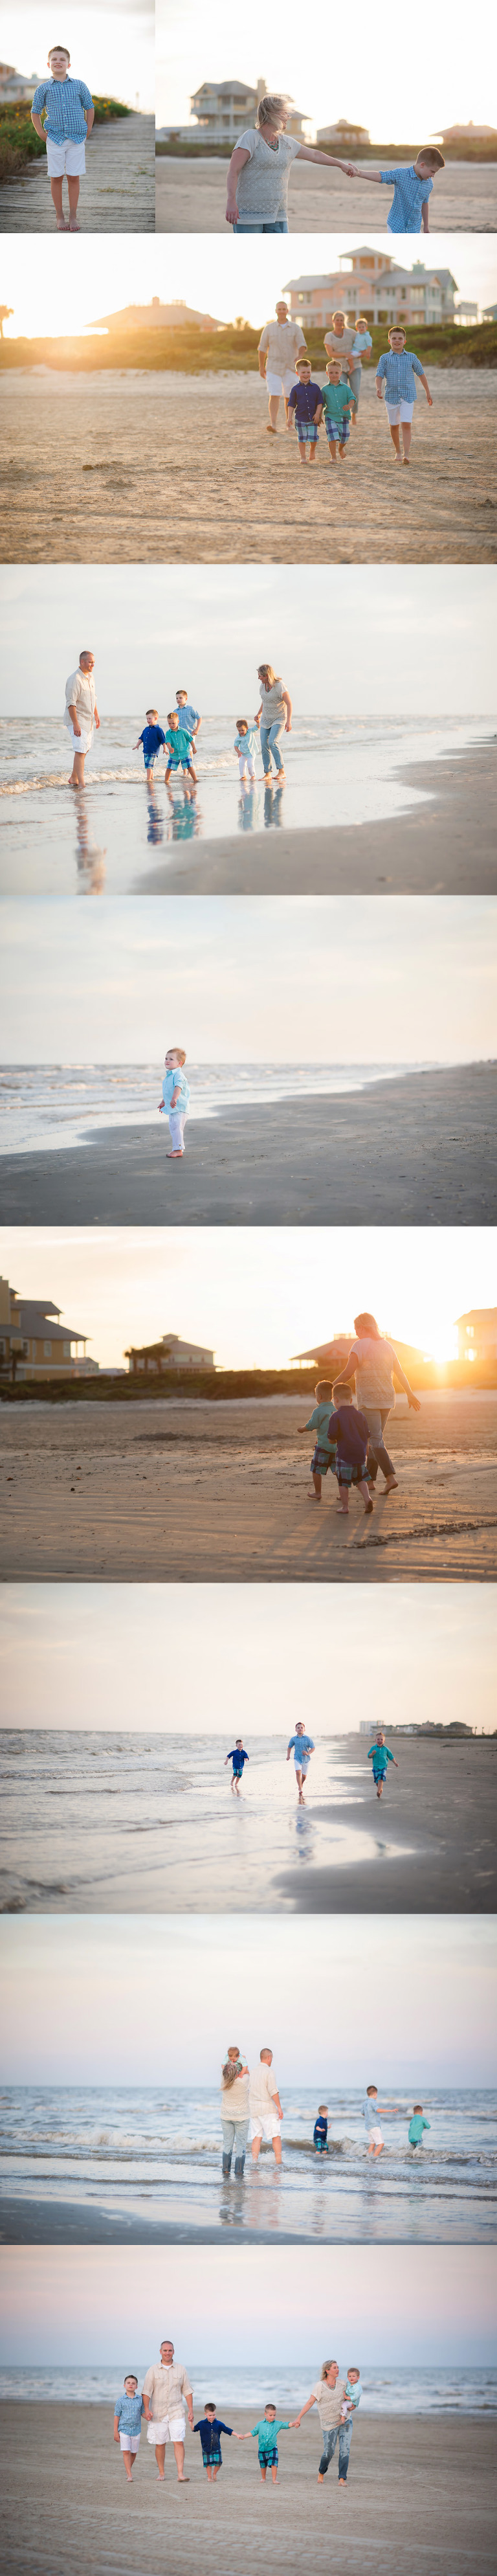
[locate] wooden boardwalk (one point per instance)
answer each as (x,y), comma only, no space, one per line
(117,195)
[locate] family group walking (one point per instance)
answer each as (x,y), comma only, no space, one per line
(178,743)
(166,2402)
(349,1435)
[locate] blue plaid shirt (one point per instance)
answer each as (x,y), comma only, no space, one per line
(400,372)
(189,718)
(410,193)
(63,102)
(129,2411)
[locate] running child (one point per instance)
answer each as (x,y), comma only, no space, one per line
(380,1756)
(339,405)
(175,1098)
(301,1745)
(178,747)
(417,2125)
(412,183)
(400,367)
(349,1428)
(373,2112)
(128,2413)
(324,1451)
(238,1757)
(265,2434)
(320,2132)
(152,740)
(305,411)
(210,2427)
(68,107)
(245,744)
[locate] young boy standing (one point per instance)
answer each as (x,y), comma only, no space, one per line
(380,1756)
(189,718)
(320,2132)
(128,2413)
(265,2434)
(374,2111)
(400,366)
(68,107)
(412,184)
(324,1451)
(175,1098)
(152,740)
(245,744)
(178,744)
(238,1757)
(338,405)
(305,411)
(211,2427)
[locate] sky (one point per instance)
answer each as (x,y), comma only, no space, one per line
(112,44)
(401,93)
(414,638)
(419,2009)
(213,275)
(78,1655)
(255,1295)
(237,979)
(405,2303)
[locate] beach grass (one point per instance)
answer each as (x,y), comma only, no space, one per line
(233,350)
(20,144)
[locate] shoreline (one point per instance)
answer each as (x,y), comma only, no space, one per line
(448,846)
(334,1158)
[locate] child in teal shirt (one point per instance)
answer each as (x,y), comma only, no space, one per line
(265,2434)
(178,747)
(338,403)
(416,2126)
(324,1451)
(379,1754)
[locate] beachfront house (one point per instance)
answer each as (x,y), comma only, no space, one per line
(34,1343)
(330,1357)
(221,110)
(16,86)
(371,282)
(343,138)
(477,1336)
(156,317)
(155,1358)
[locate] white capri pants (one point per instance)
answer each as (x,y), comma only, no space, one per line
(281,384)
(176,1129)
(172,2429)
(129,2441)
(246,764)
(66,158)
(399,411)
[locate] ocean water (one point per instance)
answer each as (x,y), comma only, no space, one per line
(154,2153)
(46,1106)
(390,2390)
(115,837)
(103,1823)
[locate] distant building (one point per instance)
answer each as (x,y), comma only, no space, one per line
(470,134)
(331,1356)
(489,313)
(477,1335)
(222,109)
(155,317)
(426,1726)
(33,1342)
(155,1357)
(344,138)
(370,281)
(465,313)
(16,86)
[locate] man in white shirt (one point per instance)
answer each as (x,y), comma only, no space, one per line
(279,342)
(265,2107)
(81,714)
(166,2386)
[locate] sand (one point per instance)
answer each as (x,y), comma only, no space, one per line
(92,1486)
(191,198)
(421,1150)
(117,193)
(420,2496)
(448,846)
(81,452)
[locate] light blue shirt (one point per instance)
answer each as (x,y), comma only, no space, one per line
(129,2411)
(400,371)
(64,102)
(189,717)
(303,1745)
(318,1422)
(176,1080)
(410,194)
(353,2389)
(362,341)
(247,741)
(371,2112)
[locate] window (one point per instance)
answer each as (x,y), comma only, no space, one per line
(66,1350)
(47,1350)
(470,1332)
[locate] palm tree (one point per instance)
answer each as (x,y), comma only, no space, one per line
(5,313)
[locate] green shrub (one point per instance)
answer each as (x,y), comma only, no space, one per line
(19,144)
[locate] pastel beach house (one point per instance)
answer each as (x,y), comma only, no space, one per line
(221,110)
(158,1358)
(33,1341)
(369,281)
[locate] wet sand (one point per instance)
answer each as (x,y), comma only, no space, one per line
(421,1150)
(117,194)
(448,846)
(420,2494)
(191,198)
(81,449)
(93,1485)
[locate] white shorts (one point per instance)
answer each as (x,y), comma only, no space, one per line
(81,741)
(281,384)
(301,1761)
(171,2429)
(270,2128)
(67,156)
(129,2441)
(399,411)
(375,2138)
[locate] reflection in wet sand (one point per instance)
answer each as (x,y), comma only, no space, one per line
(89,857)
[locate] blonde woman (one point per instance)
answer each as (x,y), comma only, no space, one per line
(273,716)
(257,187)
(373,1363)
(329,2397)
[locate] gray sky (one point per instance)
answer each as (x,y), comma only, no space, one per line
(214,275)
(415,639)
(401,92)
(410,2304)
(78,1655)
(242,979)
(72,1985)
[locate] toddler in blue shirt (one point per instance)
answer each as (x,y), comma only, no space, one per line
(175,1098)
(321,2130)
(152,741)
(245,744)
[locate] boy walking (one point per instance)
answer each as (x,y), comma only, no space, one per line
(380,1756)
(152,740)
(412,184)
(68,107)
(175,1098)
(339,404)
(178,744)
(266,2435)
(321,2130)
(189,718)
(417,2125)
(210,2427)
(246,745)
(128,2413)
(399,366)
(305,411)
(374,2111)
(324,1451)
(350,1430)
(238,1757)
